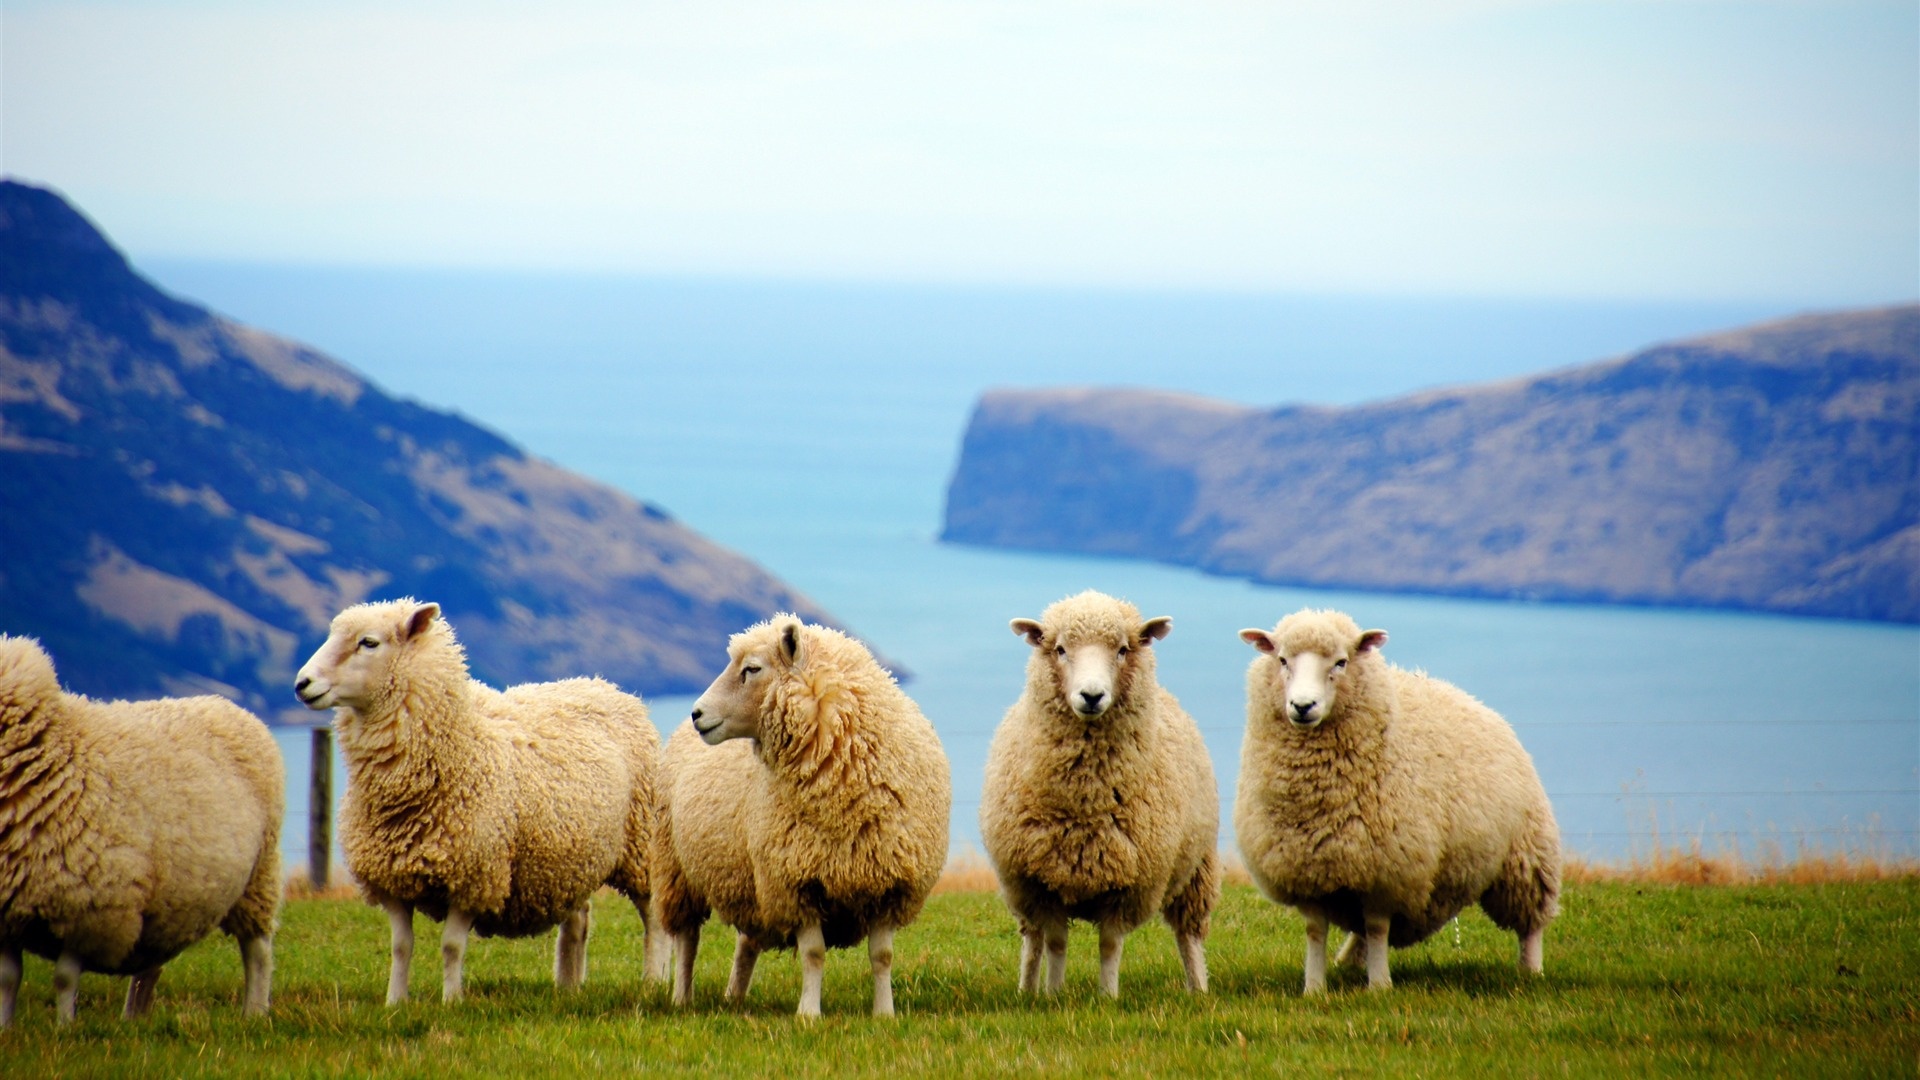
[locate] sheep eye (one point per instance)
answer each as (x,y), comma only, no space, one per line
(1282,659)
(1123,650)
(1339,665)
(750,669)
(369,643)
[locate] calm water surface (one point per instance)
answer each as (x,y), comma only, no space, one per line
(814,428)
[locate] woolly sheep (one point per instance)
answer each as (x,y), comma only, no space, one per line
(806,803)
(497,812)
(1100,801)
(128,830)
(1384,801)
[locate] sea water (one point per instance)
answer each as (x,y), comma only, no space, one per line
(814,428)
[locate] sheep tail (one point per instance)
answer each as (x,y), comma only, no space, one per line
(1191,909)
(1526,895)
(253,916)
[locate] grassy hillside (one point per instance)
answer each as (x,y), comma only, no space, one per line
(1818,980)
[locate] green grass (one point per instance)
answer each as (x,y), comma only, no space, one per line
(1819,980)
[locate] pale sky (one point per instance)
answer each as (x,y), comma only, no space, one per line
(1615,148)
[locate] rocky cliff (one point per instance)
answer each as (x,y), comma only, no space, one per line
(188,501)
(1774,468)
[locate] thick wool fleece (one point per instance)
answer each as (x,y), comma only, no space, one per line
(513,805)
(1411,794)
(128,830)
(1105,818)
(836,813)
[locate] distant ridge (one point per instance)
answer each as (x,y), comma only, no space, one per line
(188,501)
(1773,468)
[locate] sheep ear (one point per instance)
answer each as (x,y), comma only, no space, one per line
(1259,639)
(790,641)
(421,618)
(1154,629)
(1370,640)
(1030,630)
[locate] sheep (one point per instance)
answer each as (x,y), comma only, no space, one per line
(1384,801)
(806,802)
(128,830)
(496,812)
(1099,801)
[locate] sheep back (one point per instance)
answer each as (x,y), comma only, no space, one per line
(128,830)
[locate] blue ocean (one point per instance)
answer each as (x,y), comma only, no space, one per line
(814,427)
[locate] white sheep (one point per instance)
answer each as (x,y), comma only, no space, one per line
(1384,801)
(806,803)
(128,830)
(1100,801)
(498,812)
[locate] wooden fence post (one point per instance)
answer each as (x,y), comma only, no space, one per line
(320,809)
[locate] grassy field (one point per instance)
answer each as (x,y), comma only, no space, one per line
(1817,980)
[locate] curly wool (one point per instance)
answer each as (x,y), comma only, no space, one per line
(836,814)
(128,830)
(1113,817)
(515,806)
(1411,793)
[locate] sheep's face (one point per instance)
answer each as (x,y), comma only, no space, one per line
(731,708)
(1092,668)
(355,666)
(1309,674)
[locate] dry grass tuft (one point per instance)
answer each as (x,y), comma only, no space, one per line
(967,872)
(300,887)
(1694,864)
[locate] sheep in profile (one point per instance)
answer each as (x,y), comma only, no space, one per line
(497,812)
(1100,801)
(128,831)
(1384,801)
(806,803)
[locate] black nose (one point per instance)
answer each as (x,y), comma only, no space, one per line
(301,685)
(1092,697)
(696,714)
(1303,710)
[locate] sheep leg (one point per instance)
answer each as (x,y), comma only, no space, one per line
(1032,948)
(400,921)
(880,953)
(1193,957)
(813,967)
(256,959)
(1316,950)
(9,984)
(453,954)
(1054,932)
(745,955)
(1113,938)
(686,947)
(570,951)
(140,993)
(1530,950)
(66,987)
(1377,977)
(656,963)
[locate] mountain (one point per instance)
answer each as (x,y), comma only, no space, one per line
(1769,468)
(188,501)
